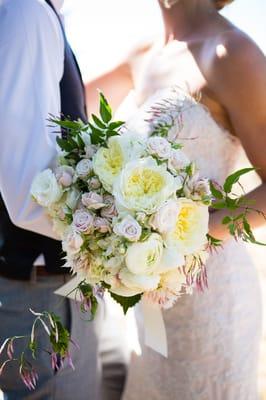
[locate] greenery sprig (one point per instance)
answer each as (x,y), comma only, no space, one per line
(238,208)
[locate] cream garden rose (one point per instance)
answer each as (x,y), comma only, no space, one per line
(145,257)
(143,185)
(108,162)
(140,283)
(190,229)
(45,188)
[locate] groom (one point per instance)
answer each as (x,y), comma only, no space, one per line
(39,76)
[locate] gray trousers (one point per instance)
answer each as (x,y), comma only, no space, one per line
(16,297)
(100,364)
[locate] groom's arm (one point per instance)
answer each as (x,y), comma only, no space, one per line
(31,67)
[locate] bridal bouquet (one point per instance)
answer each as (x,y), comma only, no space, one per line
(132,212)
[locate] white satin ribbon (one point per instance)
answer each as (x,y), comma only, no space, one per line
(154,327)
(67,290)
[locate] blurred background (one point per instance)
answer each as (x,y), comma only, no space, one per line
(106,33)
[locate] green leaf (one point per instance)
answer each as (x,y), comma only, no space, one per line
(234,178)
(250,236)
(214,241)
(232,229)
(97,135)
(98,122)
(115,125)
(110,133)
(231,204)
(68,124)
(126,302)
(226,220)
(215,192)
(64,144)
(219,205)
(80,142)
(33,348)
(105,109)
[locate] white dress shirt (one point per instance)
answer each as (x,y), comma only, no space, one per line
(31,67)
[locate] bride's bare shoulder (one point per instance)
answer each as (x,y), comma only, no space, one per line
(231,62)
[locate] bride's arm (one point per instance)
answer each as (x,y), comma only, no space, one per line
(237,77)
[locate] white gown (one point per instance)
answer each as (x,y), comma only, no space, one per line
(213,337)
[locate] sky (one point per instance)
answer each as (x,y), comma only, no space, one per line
(105,32)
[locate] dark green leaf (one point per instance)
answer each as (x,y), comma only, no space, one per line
(234,178)
(98,122)
(110,133)
(226,220)
(80,142)
(105,109)
(126,302)
(214,241)
(232,229)
(215,192)
(219,205)
(68,124)
(115,125)
(231,204)
(64,144)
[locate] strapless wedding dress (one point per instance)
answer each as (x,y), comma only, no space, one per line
(213,337)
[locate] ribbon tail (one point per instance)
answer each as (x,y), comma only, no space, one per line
(154,327)
(67,290)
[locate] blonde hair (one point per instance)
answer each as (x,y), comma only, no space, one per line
(219,4)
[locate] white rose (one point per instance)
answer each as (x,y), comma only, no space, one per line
(102,225)
(191,227)
(143,186)
(94,183)
(84,168)
(197,189)
(159,147)
(64,175)
(83,221)
(145,257)
(45,188)
(128,228)
(109,211)
(164,219)
(72,242)
(92,200)
(177,161)
(141,283)
(72,199)
(90,150)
